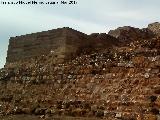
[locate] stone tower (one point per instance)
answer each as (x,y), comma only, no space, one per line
(63,42)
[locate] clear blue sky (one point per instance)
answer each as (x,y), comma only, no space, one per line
(88,16)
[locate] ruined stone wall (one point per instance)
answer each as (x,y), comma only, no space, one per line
(42,43)
(117,83)
(35,44)
(155,28)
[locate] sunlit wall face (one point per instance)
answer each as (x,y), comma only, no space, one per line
(87,16)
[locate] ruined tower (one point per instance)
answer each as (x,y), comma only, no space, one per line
(63,42)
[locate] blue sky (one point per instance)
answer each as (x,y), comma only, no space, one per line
(88,16)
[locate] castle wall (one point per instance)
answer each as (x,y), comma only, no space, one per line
(63,42)
(26,46)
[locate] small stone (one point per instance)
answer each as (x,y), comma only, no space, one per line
(153,98)
(158,117)
(155,111)
(40,111)
(118,115)
(26,110)
(150,117)
(157,90)
(42,116)
(146,75)
(69,76)
(100,113)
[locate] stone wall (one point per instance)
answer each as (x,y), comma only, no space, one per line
(63,43)
(66,43)
(121,83)
(155,28)
(42,43)
(129,34)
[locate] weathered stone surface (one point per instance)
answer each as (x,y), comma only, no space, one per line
(57,41)
(117,82)
(128,34)
(155,28)
(150,117)
(62,43)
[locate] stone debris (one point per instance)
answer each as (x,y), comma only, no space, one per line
(118,115)
(120,83)
(146,75)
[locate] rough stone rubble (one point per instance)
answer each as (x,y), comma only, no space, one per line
(121,83)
